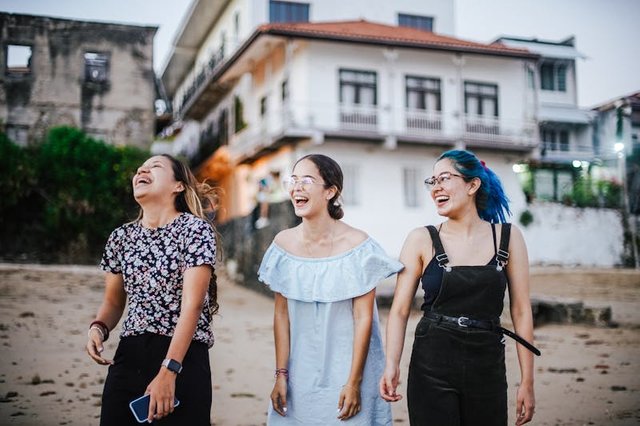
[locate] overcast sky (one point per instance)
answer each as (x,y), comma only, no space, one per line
(607,31)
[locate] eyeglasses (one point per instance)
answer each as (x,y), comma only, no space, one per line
(442,179)
(290,182)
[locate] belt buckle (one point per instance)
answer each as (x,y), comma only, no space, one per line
(462,322)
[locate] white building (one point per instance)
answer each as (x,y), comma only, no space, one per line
(383,100)
(566,132)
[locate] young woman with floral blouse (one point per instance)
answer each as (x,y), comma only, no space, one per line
(162,264)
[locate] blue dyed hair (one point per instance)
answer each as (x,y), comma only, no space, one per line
(491,201)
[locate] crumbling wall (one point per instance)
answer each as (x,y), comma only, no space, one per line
(57,91)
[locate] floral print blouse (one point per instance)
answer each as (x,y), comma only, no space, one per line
(152,263)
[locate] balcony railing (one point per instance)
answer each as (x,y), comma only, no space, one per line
(417,126)
(551,150)
(478,129)
(423,122)
(356,117)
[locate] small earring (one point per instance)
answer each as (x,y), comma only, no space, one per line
(336,203)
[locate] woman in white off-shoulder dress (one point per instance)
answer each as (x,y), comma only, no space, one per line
(329,354)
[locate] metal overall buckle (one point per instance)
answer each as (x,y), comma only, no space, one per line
(443,261)
(502,259)
(463,322)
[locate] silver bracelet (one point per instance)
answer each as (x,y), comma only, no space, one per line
(95,327)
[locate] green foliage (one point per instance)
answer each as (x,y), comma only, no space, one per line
(73,192)
(587,192)
(17,176)
(526,218)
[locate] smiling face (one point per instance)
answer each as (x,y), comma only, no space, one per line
(155,179)
(451,193)
(309,198)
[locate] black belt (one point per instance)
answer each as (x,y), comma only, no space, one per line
(464,322)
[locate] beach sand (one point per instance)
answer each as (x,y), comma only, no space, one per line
(586,376)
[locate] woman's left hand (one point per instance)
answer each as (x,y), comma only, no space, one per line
(525,404)
(349,402)
(162,390)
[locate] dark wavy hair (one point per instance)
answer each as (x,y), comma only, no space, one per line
(202,200)
(331,174)
(492,203)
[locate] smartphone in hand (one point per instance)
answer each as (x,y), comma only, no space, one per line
(140,407)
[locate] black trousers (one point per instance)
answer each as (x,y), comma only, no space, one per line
(136,362)
(457,377)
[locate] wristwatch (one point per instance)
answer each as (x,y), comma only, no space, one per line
(172,365)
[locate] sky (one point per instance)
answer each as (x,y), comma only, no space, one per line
(607,31)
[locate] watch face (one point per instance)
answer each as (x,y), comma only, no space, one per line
(172,365)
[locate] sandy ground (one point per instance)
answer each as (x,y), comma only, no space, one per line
(586,376)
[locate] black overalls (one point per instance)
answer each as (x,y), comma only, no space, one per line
(457,372)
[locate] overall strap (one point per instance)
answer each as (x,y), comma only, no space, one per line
(503,252)
(441,256)
(495,242)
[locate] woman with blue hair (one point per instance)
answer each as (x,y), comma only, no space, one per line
(457,371)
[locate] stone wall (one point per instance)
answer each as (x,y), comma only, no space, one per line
(243,246)
(58,85)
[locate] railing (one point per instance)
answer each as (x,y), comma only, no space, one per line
(423,122)
(201,79)
(557,150)
(356,117)
(500,130)
(302,120)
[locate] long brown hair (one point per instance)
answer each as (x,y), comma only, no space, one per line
(201,200)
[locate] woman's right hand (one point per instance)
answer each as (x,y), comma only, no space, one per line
(389,384)
(95,347)
(279,395)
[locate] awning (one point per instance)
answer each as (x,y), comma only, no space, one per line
(568,114)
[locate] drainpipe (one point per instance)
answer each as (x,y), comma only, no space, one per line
(391,141)
(459,62)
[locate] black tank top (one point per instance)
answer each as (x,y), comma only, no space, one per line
(432,275)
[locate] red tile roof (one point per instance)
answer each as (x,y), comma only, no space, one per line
(381,34)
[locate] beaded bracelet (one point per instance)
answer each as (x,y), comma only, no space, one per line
(98,328)
(105,329)
(281,371)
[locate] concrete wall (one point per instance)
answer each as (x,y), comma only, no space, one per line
(567,236)
(55,91)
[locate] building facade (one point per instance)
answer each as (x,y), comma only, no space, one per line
(566,148)
(95,76)
(383,99)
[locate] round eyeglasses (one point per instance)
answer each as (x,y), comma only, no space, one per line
(290,182)
(442,179)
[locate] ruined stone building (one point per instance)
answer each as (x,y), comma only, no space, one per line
(94,76)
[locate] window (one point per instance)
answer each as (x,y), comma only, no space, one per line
(358,87)
(423,93)
(481,99)
(284,11)
(223,39)
(238,114)
(411,185)
(263,106)
(553,76)
(285,91)
(18,59)
(236,27)
(351,189)
(96,67)
(415,21)
(554,140)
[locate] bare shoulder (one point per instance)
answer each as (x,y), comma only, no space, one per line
(419,235)
(351,236)
(284,239)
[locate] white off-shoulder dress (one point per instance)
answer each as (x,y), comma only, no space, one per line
(320,294)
